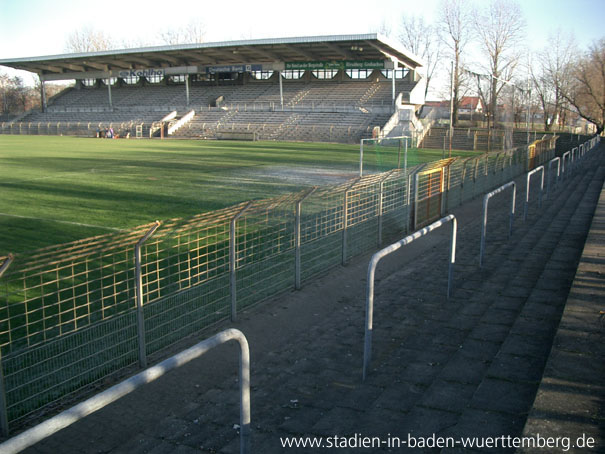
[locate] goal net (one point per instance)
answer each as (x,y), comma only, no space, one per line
(382,154)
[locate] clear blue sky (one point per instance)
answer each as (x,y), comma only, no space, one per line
(586,18)
(40,27)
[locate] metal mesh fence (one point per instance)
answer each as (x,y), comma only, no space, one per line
(70,315)
(76,128)
(321,227)
(63,313)
(264,249)
(185,269)
(395,201)
(361,216)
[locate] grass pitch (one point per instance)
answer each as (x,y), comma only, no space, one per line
(60,189)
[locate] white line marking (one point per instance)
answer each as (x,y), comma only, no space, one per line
(63,222)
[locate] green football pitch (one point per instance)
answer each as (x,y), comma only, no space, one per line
(60,189)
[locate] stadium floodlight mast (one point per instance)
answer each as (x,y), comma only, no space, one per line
(399,139)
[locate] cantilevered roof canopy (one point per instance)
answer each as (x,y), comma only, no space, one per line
(277,52)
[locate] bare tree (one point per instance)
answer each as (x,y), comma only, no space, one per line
(500,28)
(193,32)
(455,33)
(551,77)
(543,92)
(383,28)
(586,91)
(88,39)
(421,39)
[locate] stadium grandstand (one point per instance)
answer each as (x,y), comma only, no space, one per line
(325,88)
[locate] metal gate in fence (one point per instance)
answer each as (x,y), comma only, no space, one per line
(428,201)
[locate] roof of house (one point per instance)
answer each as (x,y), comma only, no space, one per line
(470,102)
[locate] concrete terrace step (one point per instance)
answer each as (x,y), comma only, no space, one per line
(523,321)
(461,364)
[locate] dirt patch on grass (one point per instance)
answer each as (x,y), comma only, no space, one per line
(300,176)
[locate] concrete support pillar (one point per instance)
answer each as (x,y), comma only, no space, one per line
(109,92)
(187,88)
(281,91)
(42,95)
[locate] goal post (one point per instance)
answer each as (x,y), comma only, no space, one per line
(381,154)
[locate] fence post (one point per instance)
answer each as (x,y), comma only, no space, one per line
(445,188)
(139,295)
(297,235)
(416,184)
(345,216)
(380,205)
(3,413)
(232,261)
(475,175)
(408,201)
(361,157)
(463,174)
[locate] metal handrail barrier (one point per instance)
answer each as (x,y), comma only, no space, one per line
(529,175)
(583,150)
(64,419)
(367,352)
(550,163)
(568,155)
(485,205)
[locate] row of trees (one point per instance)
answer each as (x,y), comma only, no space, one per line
(16,97)
(485,46)
(90,39)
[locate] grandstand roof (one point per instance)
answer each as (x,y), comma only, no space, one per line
(276,52)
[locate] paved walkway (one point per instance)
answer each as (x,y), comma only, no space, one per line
(468,366)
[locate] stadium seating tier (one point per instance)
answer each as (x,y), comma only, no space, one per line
(313,110)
